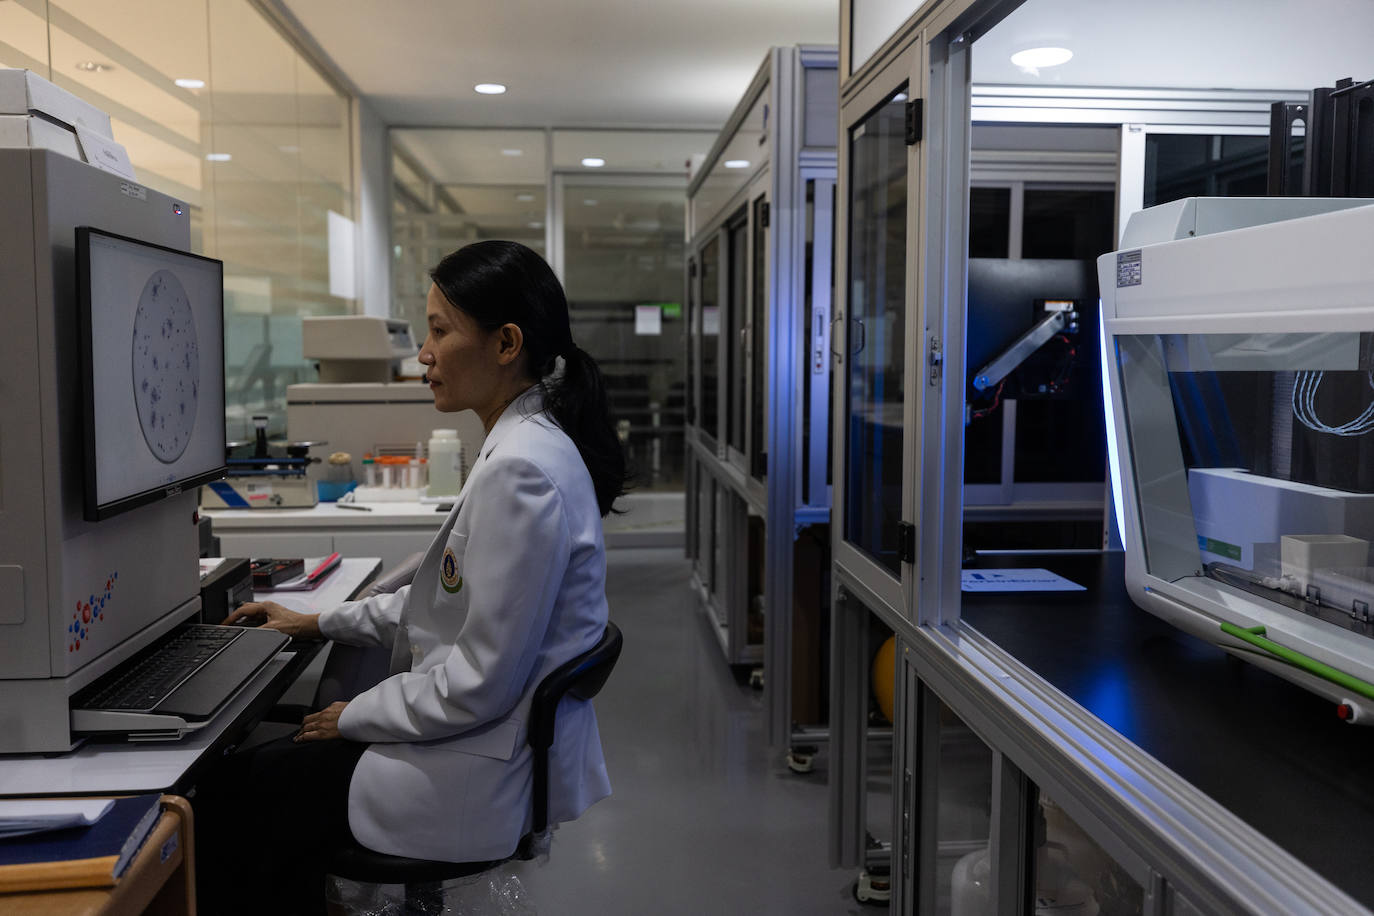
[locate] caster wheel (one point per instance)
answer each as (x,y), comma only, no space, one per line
(756,678)
(799,761)
(873,889)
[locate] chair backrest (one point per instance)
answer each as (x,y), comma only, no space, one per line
(583,677)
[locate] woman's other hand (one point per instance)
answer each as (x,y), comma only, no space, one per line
(322,725)
(293,624)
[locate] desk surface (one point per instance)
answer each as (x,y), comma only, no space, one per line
(1272,753)
(101,767)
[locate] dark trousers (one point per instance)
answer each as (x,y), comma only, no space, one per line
(265,820)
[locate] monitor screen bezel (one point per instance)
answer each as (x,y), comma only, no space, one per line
(92,509)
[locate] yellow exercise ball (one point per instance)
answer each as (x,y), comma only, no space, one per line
(885,676)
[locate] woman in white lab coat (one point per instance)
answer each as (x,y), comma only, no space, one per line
(433,762)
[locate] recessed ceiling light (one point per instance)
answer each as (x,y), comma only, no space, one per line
(592,162)
(512,152)
(899,97)
(589,203)
(535,224)
(289,148)
(91,66)
(524,198)
(218,157)
(490,88)
(737,163)
(185,83)
(1032,59)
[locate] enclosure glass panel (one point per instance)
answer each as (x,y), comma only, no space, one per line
(963,816)
(706,528)
(874,384)
(758,343)
(989,222)
(622,270)
(710,337)
(737,316)
(1204,165)
(1067,223)
(737,162)
(1073,874)
(754,582)
(691,320)
(809,338)
(1254,464)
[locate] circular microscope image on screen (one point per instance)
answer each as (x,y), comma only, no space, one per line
(166,366)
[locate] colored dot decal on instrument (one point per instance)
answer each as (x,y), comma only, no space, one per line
(90,612)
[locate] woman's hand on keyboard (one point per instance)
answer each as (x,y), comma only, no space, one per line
(293,624)
(322,725)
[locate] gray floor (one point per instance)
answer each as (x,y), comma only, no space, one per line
(701,820)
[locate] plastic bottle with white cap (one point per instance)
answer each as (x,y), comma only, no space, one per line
(445,463)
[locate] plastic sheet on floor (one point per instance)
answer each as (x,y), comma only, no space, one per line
(495,892)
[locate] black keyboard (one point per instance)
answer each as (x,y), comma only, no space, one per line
(147,679)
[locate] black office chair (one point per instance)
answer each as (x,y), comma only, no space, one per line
(583,677)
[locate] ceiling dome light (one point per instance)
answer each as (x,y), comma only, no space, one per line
(592,162)
(737,163)
(1032,60)
(218,157)
(589,202)
(190,83)
(535,224)
(524,198)
(512,152)
(91,66)
(489,88)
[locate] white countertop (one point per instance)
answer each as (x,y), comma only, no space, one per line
(329,515)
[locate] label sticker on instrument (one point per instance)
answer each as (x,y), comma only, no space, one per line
(448,573)
(1128,268)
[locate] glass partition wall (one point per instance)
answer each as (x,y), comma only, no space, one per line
(613,234)
(759,281)
(219,109)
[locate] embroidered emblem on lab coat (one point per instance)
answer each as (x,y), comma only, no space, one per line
(448,573)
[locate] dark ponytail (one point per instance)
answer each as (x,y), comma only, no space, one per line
(498,282)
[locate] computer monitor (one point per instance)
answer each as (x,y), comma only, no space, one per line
(152,342)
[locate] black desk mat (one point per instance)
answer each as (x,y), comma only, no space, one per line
(1272,753)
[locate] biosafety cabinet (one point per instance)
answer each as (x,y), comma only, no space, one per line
(759,275)
(1065,751)
(1240,336)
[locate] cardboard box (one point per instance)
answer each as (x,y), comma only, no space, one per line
(23,92)
(37,132)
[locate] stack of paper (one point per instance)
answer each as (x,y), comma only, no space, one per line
(37,815)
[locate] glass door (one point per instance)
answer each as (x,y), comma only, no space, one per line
(708,336)
(757,338)
(736,315)
(874,333)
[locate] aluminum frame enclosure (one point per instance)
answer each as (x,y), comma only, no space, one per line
(138,568)
(781,136)
(1271,267)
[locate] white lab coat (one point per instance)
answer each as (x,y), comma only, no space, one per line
(512,587)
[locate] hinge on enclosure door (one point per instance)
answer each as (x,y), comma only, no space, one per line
(915,117)
(766,214)
(936,360)
(906,542)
